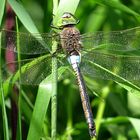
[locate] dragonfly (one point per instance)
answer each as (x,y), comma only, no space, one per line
(103,55)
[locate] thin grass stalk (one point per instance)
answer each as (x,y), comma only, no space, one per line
(54,99)
(2,6)
(54,96)
(101,108)
(54,84)
(69,112)
(19,134)
(4,115)
(55,6)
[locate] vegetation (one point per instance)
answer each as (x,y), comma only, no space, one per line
(115,101)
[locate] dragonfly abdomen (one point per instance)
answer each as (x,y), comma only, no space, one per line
(85,102)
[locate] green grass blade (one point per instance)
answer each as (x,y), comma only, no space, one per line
(95,20)
(41,105)
(19,131)
(117,78)
(101,109)
(136,124)
(54,84)
(26,20)
(23,16)
(120,6)
(26,107)
(54,95)
(65,6)
(13,78)
(4,115)
(39,112)
(130,89)
(123,119)
(2,5)
(55,6)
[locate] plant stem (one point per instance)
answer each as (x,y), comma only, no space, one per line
(101,108)
(54,84)
(19,135)
(4,115)
(54,96)
(55,6)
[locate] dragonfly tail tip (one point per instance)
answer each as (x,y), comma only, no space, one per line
(92,133)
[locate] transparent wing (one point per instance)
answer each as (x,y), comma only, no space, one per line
(112,54)
(103,56)
(29,43)
(124,41)
(33,71)
(111,66)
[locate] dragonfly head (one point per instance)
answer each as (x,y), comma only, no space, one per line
(67,19)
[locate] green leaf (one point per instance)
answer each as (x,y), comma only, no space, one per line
(2,100)
(40,108)
(133,104)
(130,89)
(65,6)
(41,105)
(26,106)
(12,79)
(121,119)
(118,79)
(136,124)
(23,16)
(118,5)
(95,20)
(2,5)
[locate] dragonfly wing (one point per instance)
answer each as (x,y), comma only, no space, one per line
(33,71)
(122,41)
(30,44)
(111,66)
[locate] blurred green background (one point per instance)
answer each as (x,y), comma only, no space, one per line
(116,110)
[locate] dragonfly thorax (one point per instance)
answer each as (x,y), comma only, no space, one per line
(70,40)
